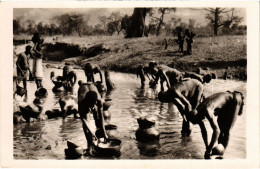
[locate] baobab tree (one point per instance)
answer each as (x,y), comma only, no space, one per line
(137,26)
(217,20)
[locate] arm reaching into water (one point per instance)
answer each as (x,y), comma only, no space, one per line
(98,70)
(164,76)
(99,118)
(187,104)
(100,112)
(86,127)
(72,77)
(199,95)
(216,131)
(205,139)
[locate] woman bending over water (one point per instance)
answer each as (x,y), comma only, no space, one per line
(221,110)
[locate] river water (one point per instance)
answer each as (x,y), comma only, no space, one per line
(48,139)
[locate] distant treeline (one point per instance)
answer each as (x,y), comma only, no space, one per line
(77,24)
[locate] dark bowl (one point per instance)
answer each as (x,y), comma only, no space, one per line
(111,148)
(41,92)
(72,154)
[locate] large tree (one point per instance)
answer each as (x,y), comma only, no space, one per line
(114,23)
(103,21)
(17,26)
(30,26)
(217,20)
(159,20)
(125,22)
(70,22)
(137,26)
(76,21)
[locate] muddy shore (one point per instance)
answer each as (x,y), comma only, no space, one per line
(212,54)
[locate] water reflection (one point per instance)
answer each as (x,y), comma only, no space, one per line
(129,102)
(149,149)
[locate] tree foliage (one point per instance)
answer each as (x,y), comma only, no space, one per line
(71,22)
(114,23)
(226,22)
(159,21)
(217,19)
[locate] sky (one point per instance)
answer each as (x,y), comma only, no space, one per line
(45,14)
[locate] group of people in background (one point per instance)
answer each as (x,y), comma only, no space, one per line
(185,90)
(188,36)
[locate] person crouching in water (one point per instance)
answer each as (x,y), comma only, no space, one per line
(69,78)
(189,92)
(90,107)
(90,70)
(221,110)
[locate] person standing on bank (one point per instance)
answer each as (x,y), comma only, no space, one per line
(22,64)
(37,65)
(189,40)
(180,40)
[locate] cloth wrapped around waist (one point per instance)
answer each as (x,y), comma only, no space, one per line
(37,68)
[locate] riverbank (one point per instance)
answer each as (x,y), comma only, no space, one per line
(214,54)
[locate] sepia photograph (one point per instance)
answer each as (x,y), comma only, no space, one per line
(137,82)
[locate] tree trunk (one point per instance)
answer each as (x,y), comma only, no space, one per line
(159,25)
(137,26)
(216,22)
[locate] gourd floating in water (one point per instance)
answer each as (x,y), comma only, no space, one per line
(218,150)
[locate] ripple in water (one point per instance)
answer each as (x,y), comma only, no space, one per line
(129,103)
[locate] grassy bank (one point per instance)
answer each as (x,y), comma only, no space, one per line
(214,54)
